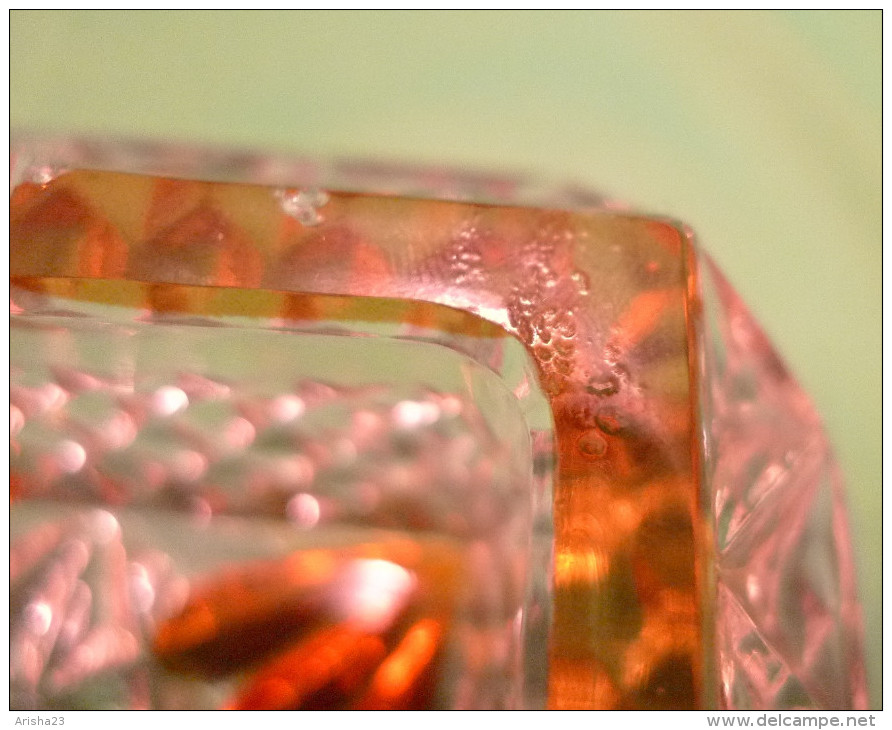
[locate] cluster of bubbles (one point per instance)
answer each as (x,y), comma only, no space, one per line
(314,453)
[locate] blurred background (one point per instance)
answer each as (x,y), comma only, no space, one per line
(760,129)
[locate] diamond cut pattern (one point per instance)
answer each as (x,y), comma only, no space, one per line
(752,673)
(602,303)
(785,575)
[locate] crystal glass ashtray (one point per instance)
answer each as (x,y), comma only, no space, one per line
(297,436)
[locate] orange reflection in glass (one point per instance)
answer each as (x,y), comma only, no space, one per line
(399,682)
(600,301)
(323,671)
(245,613)
(322,628)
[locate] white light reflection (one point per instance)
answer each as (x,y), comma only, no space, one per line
(303,509)
(142,592)
(372,592)
(103,527)
(523,388)
(50,397)
(412,414)
(38,617)
(43,174)
(71,456)
(286,408)
(169,399)
(753,589)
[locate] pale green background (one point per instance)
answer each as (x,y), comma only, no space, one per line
(761,129)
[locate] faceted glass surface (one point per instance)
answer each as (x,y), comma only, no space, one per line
(787,621)
(354,493)
(672,436)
